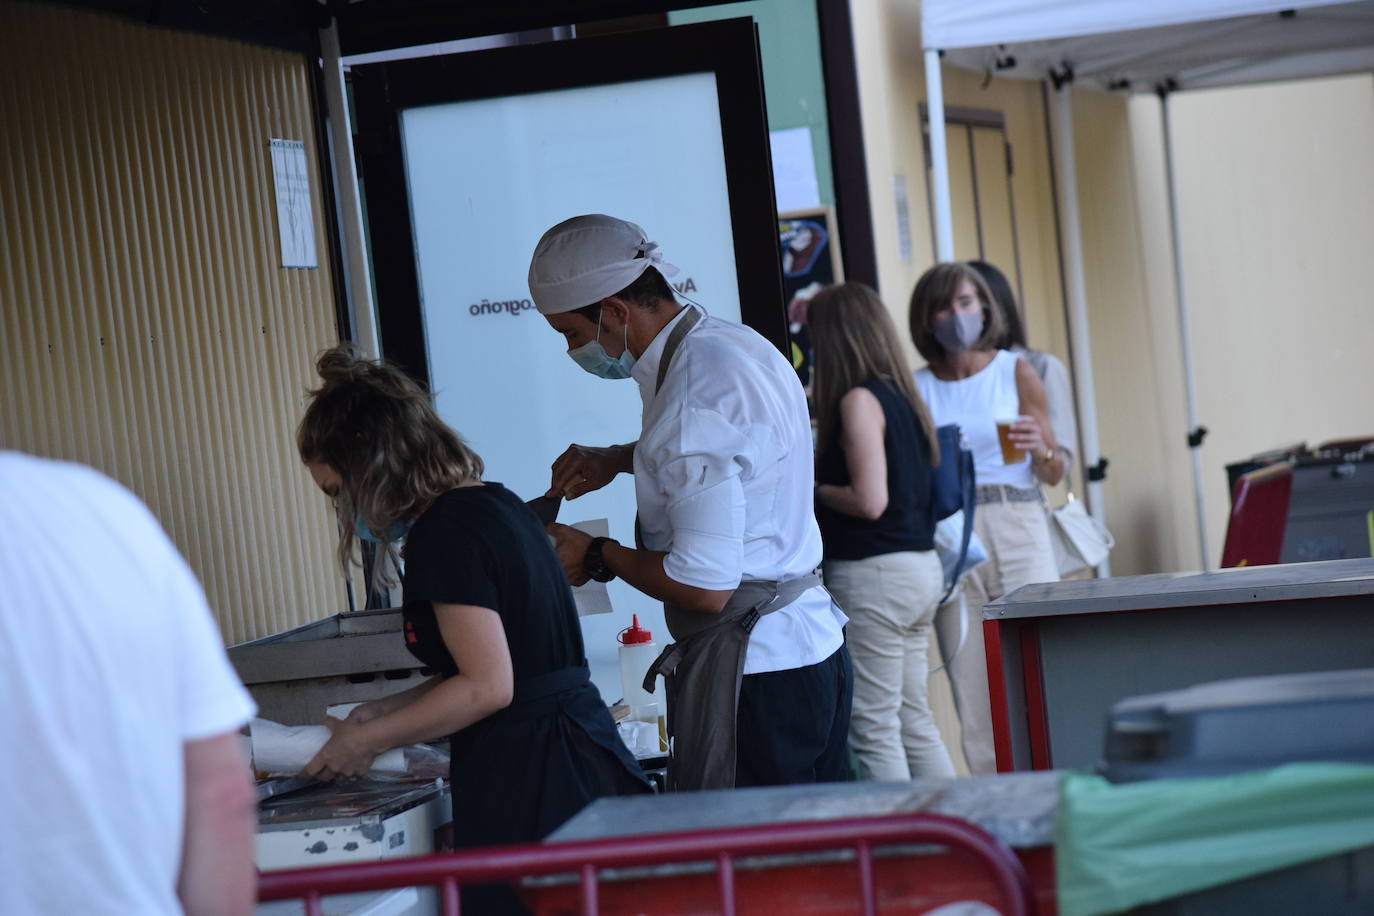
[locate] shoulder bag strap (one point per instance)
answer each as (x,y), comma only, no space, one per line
(970,499)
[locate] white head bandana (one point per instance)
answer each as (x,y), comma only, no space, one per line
(583,260)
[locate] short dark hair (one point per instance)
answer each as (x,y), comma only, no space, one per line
(935,292)
(1005,299)
(647,292)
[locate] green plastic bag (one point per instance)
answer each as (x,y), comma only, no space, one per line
(1120,846)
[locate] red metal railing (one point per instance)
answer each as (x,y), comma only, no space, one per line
(721,846)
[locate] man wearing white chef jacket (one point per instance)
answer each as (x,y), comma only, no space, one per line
(127,787)
(758,678)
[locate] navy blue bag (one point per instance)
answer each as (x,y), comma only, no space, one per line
(951,481)
(953,487)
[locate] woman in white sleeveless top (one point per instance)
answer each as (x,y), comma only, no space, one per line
(967,381)
(1051,370)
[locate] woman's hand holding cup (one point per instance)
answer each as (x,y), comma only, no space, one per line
(1019,436)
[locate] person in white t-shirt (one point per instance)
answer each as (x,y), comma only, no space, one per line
(955,326)
(127,786)
(758,680)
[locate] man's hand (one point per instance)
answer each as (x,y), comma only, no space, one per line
(571,546)
(584,468)
(345,756)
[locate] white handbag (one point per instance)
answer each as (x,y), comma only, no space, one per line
(1079,540)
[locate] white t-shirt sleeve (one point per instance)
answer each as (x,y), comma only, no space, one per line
(705,499)
(212,699)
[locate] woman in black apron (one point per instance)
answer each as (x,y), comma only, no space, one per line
(486,606)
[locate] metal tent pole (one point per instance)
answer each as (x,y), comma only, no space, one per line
(1196,433)
(1078,304)
(939,159)
(357,274)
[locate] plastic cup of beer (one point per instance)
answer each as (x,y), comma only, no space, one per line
(1010,453)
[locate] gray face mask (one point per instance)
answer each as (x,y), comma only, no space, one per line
(958,332)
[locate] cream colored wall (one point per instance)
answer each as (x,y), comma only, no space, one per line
(1270,218)
(145,325)
(1276,189)
(1135,344)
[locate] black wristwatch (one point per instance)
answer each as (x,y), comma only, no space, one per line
(594,564)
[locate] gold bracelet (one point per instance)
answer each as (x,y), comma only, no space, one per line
(1047,457)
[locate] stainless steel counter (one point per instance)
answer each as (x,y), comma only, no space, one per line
(1241,585)
(293,676)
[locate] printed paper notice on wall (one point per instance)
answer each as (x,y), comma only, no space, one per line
(794,169)
(295,223)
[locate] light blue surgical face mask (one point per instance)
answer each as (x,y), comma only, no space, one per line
(592,357)
(364,533)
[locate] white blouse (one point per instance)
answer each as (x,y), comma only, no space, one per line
(976,403)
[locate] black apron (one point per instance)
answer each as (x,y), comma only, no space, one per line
(521,772)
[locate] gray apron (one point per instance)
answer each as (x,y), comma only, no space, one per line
(703,668)
(702,671)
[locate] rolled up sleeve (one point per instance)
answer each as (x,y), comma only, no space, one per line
(704,485)
(708,537)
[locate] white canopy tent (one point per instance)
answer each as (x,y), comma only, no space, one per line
(1129,45)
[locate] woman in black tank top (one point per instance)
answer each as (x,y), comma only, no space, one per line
(876,447)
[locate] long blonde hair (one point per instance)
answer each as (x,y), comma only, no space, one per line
(854,340)
(375,426)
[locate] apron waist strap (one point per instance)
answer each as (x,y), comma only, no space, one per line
(774,596)
(528,693)
(544,685)
(750,601)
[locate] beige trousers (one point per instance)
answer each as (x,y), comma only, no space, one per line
(891,601)
(1017,538)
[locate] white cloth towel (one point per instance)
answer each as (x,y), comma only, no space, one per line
(282,750)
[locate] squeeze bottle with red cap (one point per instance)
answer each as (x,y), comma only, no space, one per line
(637,654)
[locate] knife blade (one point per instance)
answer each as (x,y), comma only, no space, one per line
(546,508)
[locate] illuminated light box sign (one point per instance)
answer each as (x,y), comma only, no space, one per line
(486,178)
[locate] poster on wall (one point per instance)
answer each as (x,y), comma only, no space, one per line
(810,261)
